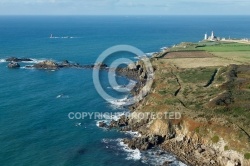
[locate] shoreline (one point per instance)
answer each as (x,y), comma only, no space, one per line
(198,138)
(182,137)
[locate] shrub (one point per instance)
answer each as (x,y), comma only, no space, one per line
(215,139)
(247,156)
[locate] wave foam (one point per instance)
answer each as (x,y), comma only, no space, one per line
(158,157)
(163,48)
(131,154)
(107,118)
(123,88)
(150,53)
(2,60)
(133,133)
(62,96)
(36,60)
(154,156)
(119,102)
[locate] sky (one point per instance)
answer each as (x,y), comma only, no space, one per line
(124,7)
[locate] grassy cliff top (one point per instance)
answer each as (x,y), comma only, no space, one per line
(209,81)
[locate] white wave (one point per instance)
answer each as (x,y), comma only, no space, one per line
(78,124)
(133,133)
(158,157)
(28,67)
(119,102)
(119,145)
(131,154)
(108,117)
(139,57)
(154,156)
(98,121)
(33,61)
(163,48)
(2,60)
(37,60)
(123,88)
(62,96)
(150,53)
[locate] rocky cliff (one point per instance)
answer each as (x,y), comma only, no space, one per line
(213,102)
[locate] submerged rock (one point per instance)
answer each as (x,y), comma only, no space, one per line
(13,65)
(102,124)
(100,65)
(14,59)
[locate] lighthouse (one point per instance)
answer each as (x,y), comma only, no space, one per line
(205,37)
(212,35)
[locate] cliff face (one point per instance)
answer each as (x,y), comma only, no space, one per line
(214,106)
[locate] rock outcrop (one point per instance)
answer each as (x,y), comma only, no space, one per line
(14,59)
(51,65)
(13,65)
(46,65)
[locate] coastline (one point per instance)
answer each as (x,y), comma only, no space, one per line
(194,138)
(197,138)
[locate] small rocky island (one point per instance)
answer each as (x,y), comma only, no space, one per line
(50,65)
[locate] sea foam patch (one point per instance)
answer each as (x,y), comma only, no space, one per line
(155,156)
(159,157)
(131,154)
(2,60)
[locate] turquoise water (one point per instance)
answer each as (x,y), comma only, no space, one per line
(34,124)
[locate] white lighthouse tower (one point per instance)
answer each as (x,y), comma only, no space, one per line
(205,37)
(212,35)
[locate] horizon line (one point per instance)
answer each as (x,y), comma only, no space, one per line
(124,15)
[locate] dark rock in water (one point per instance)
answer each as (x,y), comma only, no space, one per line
(65,62)
(123,121)
(102,124)
(14,59)
(160,153)
(166,163)
(100,65)
(143,143)
(29,66)
(46,65)
(13,65)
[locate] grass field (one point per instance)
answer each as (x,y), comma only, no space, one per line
(225,53)
(238,56)
(224,47)
(212,47)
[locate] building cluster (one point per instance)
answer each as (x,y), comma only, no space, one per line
(212,37)
(215,38)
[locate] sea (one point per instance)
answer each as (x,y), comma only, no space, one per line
(35,127)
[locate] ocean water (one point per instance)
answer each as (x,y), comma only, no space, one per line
(34,124)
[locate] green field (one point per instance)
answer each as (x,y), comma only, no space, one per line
(224,47)
(212,47)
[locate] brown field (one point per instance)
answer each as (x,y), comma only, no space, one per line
(200,62)
(188,54)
